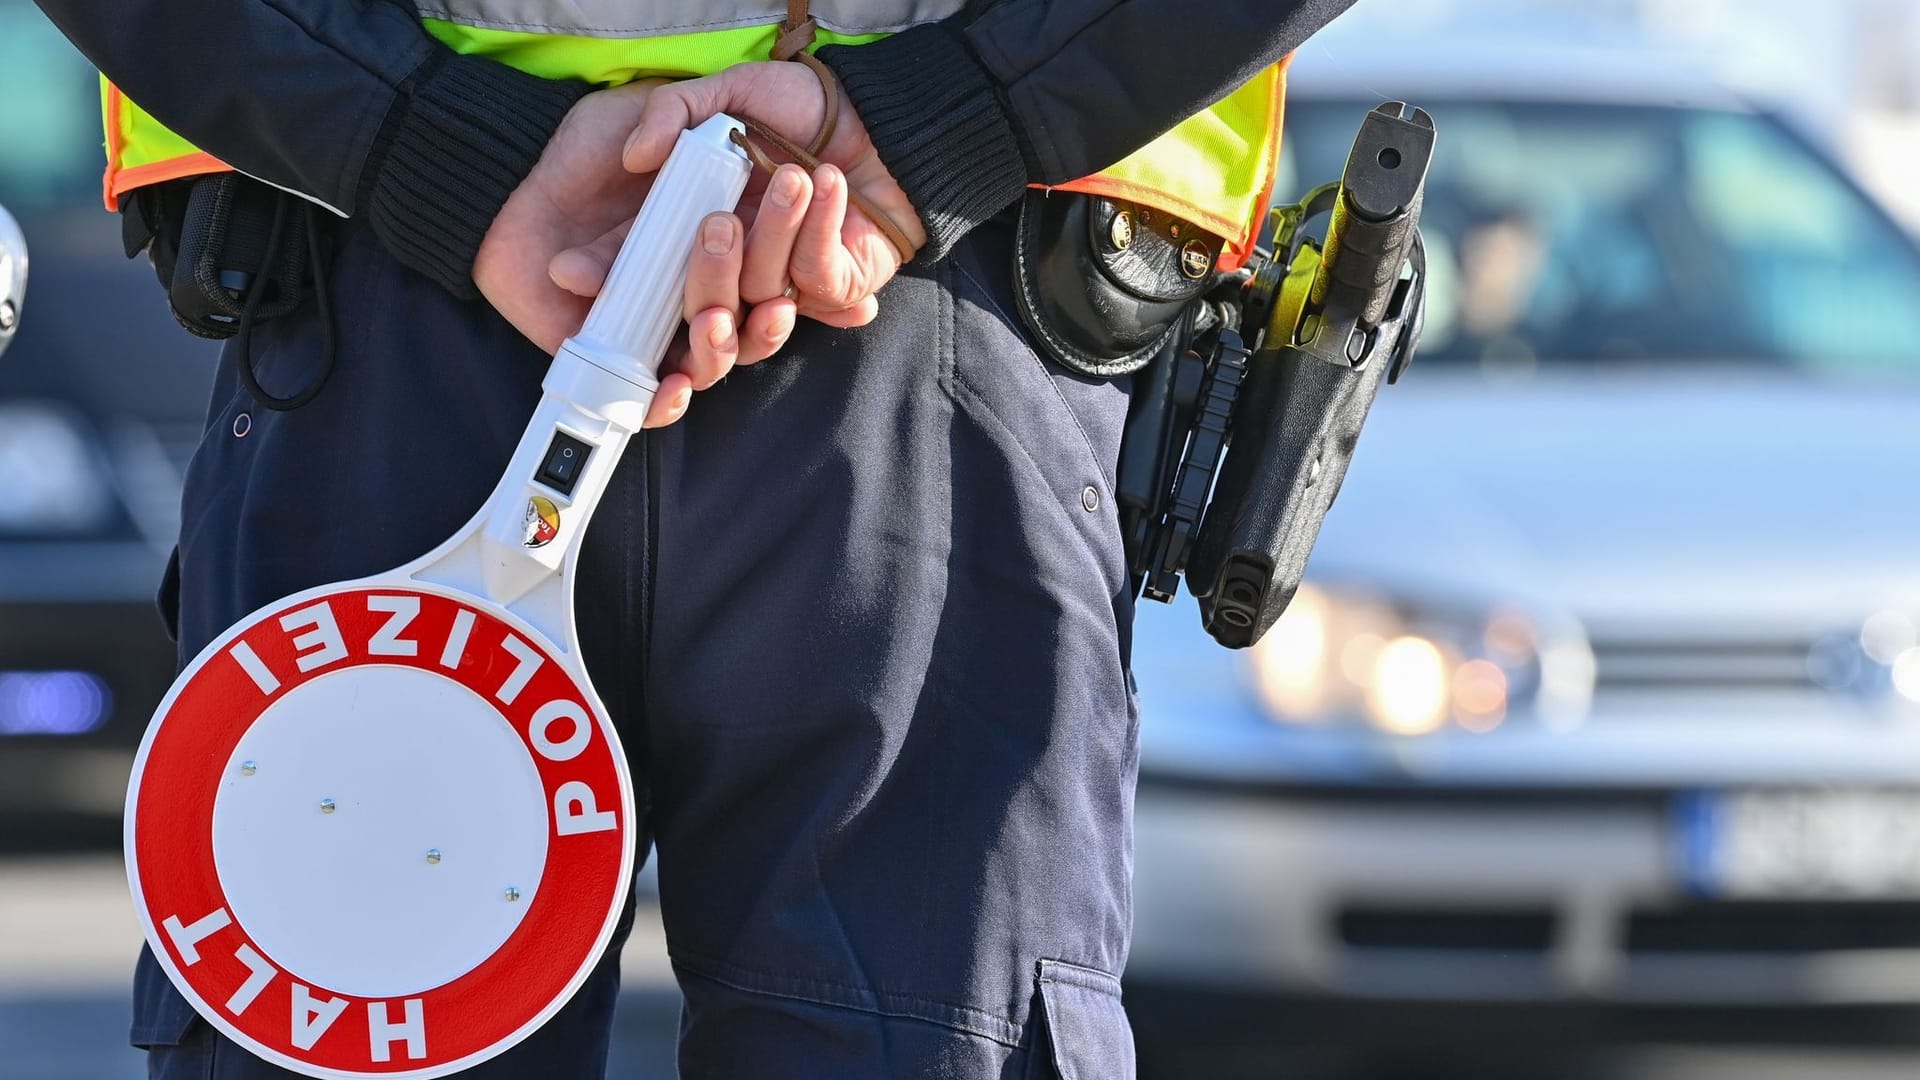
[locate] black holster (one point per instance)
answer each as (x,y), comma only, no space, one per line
(1238,436)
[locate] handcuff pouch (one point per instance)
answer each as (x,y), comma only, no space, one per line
(1102,283)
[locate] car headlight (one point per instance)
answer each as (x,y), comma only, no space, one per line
(51,481)
(1344,655)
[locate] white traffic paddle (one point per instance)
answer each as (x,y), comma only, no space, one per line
(383,827)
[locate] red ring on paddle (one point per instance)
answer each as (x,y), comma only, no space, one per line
(185,759)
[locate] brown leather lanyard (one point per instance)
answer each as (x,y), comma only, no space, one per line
(796,37)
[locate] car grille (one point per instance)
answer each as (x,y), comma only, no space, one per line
(1494,929)
(1666,664)
(1718,927)
(1774,927)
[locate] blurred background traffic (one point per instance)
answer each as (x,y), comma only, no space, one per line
(1592,748)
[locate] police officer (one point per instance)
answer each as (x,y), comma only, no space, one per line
(862,612)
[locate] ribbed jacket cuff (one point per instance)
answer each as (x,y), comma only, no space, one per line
(456,146)
(938,123)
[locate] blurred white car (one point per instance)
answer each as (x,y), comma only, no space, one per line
(101,400)
(1603,699)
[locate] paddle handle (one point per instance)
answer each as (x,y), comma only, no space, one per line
(519,551)
(638,309)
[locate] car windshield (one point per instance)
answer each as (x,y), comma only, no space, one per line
(49,115)
(1580,233)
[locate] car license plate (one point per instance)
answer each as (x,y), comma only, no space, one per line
(1758,844)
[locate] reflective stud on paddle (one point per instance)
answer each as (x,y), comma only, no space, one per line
(384,827)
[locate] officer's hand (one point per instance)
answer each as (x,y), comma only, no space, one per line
(793,229)
(575,193)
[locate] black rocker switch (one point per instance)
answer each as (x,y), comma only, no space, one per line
(566,456)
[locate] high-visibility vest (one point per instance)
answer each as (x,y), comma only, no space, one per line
(1215,169)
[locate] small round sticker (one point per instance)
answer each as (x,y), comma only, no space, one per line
(543,522)
(379,833)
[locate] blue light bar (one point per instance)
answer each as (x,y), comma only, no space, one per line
(53,702)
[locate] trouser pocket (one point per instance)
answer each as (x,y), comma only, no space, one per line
(1087,1036)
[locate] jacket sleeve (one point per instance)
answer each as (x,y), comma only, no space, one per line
(349,103)
(967,111)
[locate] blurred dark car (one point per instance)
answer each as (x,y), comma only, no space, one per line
(1600,714)
(101,398)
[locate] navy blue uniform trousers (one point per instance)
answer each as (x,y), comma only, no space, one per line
(862,622)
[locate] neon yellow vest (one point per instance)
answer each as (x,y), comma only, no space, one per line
(1215,169)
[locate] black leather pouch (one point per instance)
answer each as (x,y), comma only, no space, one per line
(1102,283)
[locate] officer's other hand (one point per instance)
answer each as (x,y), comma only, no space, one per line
(574,194)
(793,228)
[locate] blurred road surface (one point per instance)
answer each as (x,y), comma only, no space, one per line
(67,939)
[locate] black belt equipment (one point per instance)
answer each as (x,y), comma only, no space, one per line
(1244,420)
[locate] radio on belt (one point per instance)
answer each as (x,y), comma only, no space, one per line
(560,469)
